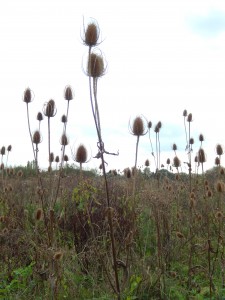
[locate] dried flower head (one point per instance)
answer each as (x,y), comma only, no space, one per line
(49,109)
(39,116)
(51,157)
(189,118)
(217,161)
(36,137)
(147,163)
(64,119)
(81,154)
(66,158)
(27,96)
(138,127)
(168,161)
(57,159)
(185,113)
(91,34)
(38,215)
(3,150)
(201,156)
(191,141)
(9,148)
(64,140)
(176,162)
(174,147)
(96,66)
(219,149)
(201,137)
(149,125)
(68,93)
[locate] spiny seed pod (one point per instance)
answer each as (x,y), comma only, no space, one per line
(49,109)
(185,113)
(176,162)
(219,215)
(189,118)
(66,158)
(191,141)
(3,150)
(128,173)
(222,171)
(217,161)
(27,96)
(39,116)
(51,157)
(168,161)
(174,147)
(201,156)
(68,93)
(81,154)
(38,214)
(196,159)
(91,34)
(64,119)
(57,159)
(36,137)
(179,235)
(209,193)
(219,149)
(138,128)
(159,125)
(58,255)
(9,148)
(95,65)
(220,187)
(147,163)
(20,173)
(201,137)
(64,140)
(149,125)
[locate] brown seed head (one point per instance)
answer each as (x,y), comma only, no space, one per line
(36,137)
(20,173)
(81,154)
(3,150)
(57,159)
(189,118)
(38,214)
(51,157)
(176,162)
(95,65)
(91,34)
(149,125)
(201,137)
(138,127)
(27,96)
(147,163)
(9,148)
(39,116)
(191,141)
(2,166)
(185,113)
(66,158)
(217,161)
(220,187)
(219,149)
(58,255)
(209,193)
(68,93)
(222,171)
(174,147)
(64,140)
(219,215)
(49,109)
(64,119)
(201,156)
(168,161)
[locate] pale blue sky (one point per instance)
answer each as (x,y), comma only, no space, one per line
(163,57)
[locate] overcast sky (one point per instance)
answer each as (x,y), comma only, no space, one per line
(163,56)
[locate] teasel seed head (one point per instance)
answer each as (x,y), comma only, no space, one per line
(2,166)
(64,140)
(81,154)
(201,137)
(176,162)
(51,157)
(38,214)
(220,187)
(191,141)
(219,149)
(57,159)
(49,109)
(68,93)
(222,171)
(9,148)
(219,215)
(20,173)
(217,161)
(201,156)
(185,113)
(149,125)
(66,158)
(128,172)
(174,147)
(159,125)
(36,137)
(3,150)
(189,118)
(91,34)
(179,235)
(39,116)
(96,66)
(147,163)
(27,96)
(168,161)
(64,119)
(138,127)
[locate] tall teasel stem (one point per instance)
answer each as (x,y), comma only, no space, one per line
(96,69)
(149,136)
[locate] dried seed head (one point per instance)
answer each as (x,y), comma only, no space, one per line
(147,163)
(138,127)
(81,154)
(219,215)
(220,187)
(222,171)
(217,161)
(68,93)
(91,34)
(64,119)
(174,147)
(36,137)
(51,157)
(176,162)
(185,113)
(95,65)
(57,159)
(149,125)
(49,109)
(201,137)
(128,172)
(20,173)
(159,125)
(2,166)
(66,158)
(209,193)
(64,140)
(201,156)
(38,214)
(196,159)
(168,161)
(189,118)
(27,96)
(3,150)
(9,148)
(39,116)
(191,141)
(219,149)
(179,235)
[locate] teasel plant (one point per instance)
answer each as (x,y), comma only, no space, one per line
(95,69)
(150,140)
(80,155)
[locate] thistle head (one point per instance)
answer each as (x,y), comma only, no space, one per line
(81,154)
(138,127)
(95,65)
(176,162)
(91,34)
(49,109)
(201,156)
